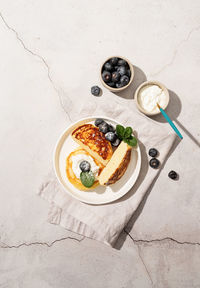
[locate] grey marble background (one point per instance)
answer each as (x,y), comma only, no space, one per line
(50,55)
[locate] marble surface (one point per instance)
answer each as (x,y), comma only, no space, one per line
(50,53)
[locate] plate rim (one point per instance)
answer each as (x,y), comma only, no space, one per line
(54,161)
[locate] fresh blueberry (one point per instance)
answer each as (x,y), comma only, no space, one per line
(111,128)
(98,121)
(115,76)
(111,84)
(173,175)
(154,163)
(153,152)
(104,127)
(108,67)
(85,166)
(128,73)
(116,67)
(124,80)
(116,142)
(121,62)
(113,61)
(106,76)
(122,70)
(110,136)
(95,90)
(119,85)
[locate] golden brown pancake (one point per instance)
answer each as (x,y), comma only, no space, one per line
(70,174)
(94,142)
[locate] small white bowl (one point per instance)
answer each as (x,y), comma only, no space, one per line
(146,84)
(124,87)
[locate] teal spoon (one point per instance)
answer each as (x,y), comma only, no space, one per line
(170,121)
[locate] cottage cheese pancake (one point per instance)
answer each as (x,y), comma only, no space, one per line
(73,170)
(117,165)
(94,142)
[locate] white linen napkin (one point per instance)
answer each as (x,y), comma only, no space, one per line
(105,222)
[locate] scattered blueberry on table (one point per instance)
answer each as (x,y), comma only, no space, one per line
(173,175)
(154,163)
(95,90)
(153,152)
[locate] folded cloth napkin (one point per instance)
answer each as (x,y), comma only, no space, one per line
(105,222)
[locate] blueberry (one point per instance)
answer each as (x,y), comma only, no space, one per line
(98,121)
(113,61)
(116,67)
(85,166)
(173,175)
(116,142)
(119,85)
(153,152)
(124,80)
(122,70)
(154,163)
(95,90)
(110,136)
(115,76)
(121,62)
(104,127)
(128,73)
(111,128)
(106,76)
(108,67)
(111,84)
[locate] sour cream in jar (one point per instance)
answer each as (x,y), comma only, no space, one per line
(150,95)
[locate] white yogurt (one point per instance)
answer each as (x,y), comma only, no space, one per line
(77,159)
(149,96)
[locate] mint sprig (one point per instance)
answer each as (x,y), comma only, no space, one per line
(125,134)
(120,131)
(128,132)
(87,178)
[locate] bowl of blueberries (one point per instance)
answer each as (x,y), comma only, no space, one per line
(117,73)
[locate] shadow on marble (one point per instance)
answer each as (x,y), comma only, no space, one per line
(139,78)
(173,110)
(119,243)
(188,133)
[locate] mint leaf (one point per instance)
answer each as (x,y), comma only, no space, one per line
(120,131)
(127,133)
(87,179)
(132,141)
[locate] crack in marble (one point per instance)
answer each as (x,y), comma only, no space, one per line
(40,58)
(176,51)
(145,266)
(5,246)
(161,240)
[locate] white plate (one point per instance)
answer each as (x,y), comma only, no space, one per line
(100,194)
